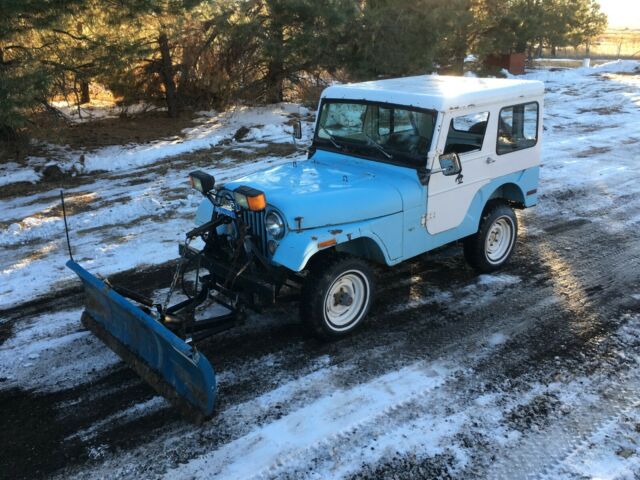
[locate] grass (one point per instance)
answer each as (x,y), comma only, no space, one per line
(614,43)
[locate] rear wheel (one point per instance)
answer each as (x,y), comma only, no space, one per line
(336,296)
(490,248)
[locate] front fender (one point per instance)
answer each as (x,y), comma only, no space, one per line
(296,248)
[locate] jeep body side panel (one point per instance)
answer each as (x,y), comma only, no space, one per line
(418,240)
(401,236)
(450,198)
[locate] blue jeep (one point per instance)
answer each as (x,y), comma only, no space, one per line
(396,168)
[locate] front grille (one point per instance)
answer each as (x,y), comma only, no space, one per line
(255,221)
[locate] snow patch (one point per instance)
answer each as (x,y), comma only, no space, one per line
(50,353)
(271,446)
(12,172)
(498,280)
(266,123)
(497,338)
(100,110)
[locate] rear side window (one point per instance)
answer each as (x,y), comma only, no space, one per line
(517,127)
(466,133)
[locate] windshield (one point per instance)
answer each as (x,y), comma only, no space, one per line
(380,131)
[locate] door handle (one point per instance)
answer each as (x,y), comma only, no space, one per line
(490,160)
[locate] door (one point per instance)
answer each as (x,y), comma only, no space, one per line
(449,197)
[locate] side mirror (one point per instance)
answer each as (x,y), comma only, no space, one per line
(450,164)
(201,181)
(297,130)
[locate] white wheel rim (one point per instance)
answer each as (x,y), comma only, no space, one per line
(499,240)
(346,300)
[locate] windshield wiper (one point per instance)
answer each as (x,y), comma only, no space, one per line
(332,139)
(380,148)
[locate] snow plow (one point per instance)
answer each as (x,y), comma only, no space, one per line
(156,339)
(137,334)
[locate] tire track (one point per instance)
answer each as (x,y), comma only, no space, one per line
(392,340)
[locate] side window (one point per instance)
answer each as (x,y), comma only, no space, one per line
(517,127)
(466,133)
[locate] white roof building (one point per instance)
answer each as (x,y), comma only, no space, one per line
(437,92)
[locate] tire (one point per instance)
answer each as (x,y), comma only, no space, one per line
(492,246)
(336,296)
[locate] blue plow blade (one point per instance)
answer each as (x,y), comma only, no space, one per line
(174,369)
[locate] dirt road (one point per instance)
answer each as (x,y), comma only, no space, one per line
(528,373)
(552,317)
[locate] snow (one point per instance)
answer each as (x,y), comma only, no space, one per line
(497,338)
(211,131)
(153,404)
(11,172)
(100,110)
(612,453)
(50,353)
(498,279)
(265,124)
(116,225)
(281,442)
(590,149)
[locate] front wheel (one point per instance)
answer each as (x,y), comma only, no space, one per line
(336,296)
(492,246)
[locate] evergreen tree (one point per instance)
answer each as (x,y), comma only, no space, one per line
(25,75)
(202,52)
(284,39)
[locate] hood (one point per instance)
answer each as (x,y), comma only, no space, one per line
(333,189)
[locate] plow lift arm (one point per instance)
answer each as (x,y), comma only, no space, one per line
(156,340)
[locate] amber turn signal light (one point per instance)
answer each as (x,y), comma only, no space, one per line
(250,198)
(327,243)
(257,203)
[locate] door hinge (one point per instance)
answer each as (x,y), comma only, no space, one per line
(425,218)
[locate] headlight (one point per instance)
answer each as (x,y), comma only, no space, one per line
(203,182)
(274,225)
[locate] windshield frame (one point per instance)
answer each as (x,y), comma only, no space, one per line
(359,150)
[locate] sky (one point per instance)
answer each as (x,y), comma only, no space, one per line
(622,13)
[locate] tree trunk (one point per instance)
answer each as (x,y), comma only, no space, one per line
(166,72)
(274,82)
(85,97)
(84,83)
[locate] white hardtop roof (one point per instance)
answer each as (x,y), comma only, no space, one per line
(437,92)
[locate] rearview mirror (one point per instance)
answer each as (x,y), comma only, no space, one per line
(450,164)
(297,130)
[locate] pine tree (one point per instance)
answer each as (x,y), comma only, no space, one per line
(25,75)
